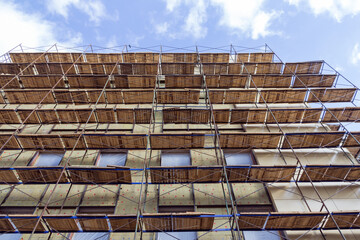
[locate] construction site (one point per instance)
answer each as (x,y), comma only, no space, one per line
(176,143)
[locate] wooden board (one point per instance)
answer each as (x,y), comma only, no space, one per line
(268,68)
(343,220)
(185,174)
(71,141)
(105,115)
(29,96)
(260,173)
(283,96)
(346,114)
(64,224)
(319,173)
(177,140)
(244,116)
(254,57)
(278,221)
(303,68)
(41,175)
(178,221)
(142,115)
(88,81)
(100,175)
(11,142)
(67,115)
(40,141)
(270,81)
(313,140)
(183,81)
(214,57)
(350,140)
(47,116)
(178,57)
(252,221)
(331,95)
(221,115)
(139,81)
(7,176)
(115,141)
(8,116)
(123,223)
(10,80)
(250,140)
(177,96)
(9,68)
(138,96)
(125,115)
(5,225)
(89,223)
(218,68)
(232,81)
(240,96)
(285,116)
(26,223)
(42,81)
(176,115)
(310,81)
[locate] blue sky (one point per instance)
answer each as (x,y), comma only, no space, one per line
(297,30)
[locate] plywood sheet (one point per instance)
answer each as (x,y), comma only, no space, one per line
(270,81)
(88,81)
(103,175)
(282,96)
(121,223)
(331,95)
(183,81)
(177,140)
(249,140)
(138,96)
(311,81)
(114,141)
(8,116)
(25,223)
(346,114)
(313,140)
(177,96)
(65,224)
(303,68)
(29,96)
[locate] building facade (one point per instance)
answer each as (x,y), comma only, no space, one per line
(168,144)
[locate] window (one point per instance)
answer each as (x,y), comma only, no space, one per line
(239,158)
(47,159)
(260,235)
(116,159)
(175,159)
(176,235)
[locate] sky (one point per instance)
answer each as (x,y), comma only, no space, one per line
(296,30)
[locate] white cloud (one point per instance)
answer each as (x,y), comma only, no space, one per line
(246,17)
(335,8)
(172,4)
(95,9)
(161,28)
(28,29)
(355,56)
(241,17)
(195,19)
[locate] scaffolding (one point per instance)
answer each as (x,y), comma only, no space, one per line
(149,102)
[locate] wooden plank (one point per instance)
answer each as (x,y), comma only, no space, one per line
(114,96)
(67,115)
(352,140)
(343,220)
(282,96)
(270,81)
(71,141)
(123,223)
(311,115)
(29,96)
(278,221)
(8,144)
(249,140)
(252,221)
(200,115)
(354,174)
(183,81)
(40,141)
(125,115)
(9,68)
(185,174)
(95,96)
(240,96)
(176,115)
(100,175)
(303,68)
(271,173)
(178,221)
(268,68)
(24,114)
(218,68)
(214,57)
(313,140)
(7,176)
(42,81)
(10,80)
(89,223)
(232,81)
(47,116)
(8,116)
(5,225)
(40,175)
(302,81)
(63,223)
(138,81)
(105,115)
(85,115)
(178,57)
(319,173)
(221,115)
(216,96)
(331,95)
(121,81)
(114,141)
(179,96)
(63,96)
(285,116)
(244,116)
(26,223)
(142,115)
(346,114)
(88,81)
(138,96)
(177,140)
